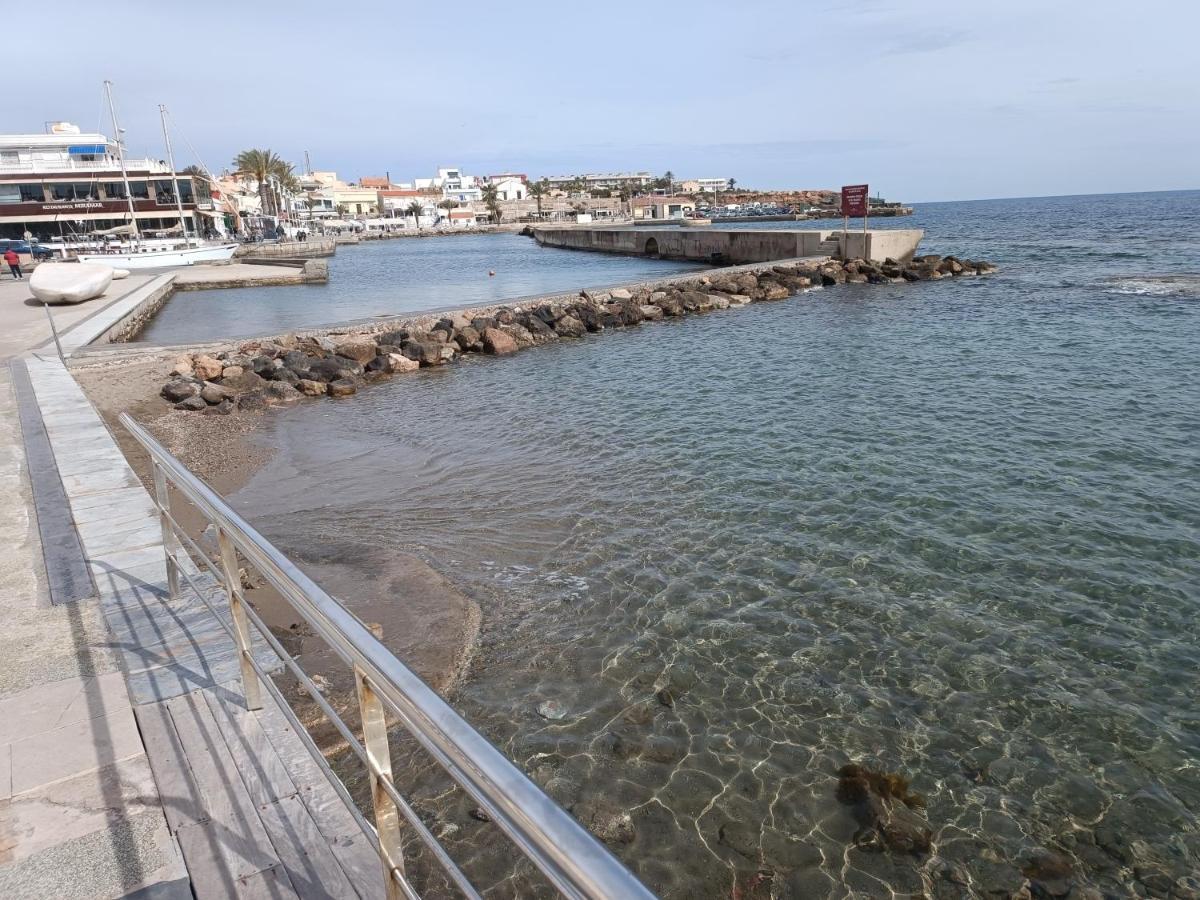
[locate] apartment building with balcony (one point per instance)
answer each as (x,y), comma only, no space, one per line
(65,182)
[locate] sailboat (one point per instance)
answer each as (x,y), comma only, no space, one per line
(141,255)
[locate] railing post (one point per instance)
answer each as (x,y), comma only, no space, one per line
(251,690)
(379,765)
(171,546)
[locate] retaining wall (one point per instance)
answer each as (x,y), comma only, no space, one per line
(734,246)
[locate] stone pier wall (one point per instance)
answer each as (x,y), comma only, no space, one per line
(735,246)
(290,249)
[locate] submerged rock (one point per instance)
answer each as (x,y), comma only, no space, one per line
(883,806)
(551,709)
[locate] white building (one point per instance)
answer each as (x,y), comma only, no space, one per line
(712,185)
(454,185)
(68,182)
(509,187)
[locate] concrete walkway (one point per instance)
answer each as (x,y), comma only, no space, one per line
(23,322)
(129,765)
(79,812)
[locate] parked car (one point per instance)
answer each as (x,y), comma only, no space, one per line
(37,251)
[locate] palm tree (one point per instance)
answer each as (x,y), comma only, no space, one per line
(261,165)
(448,205)
(492,199)
(669,178)
(537,191)
(415,209)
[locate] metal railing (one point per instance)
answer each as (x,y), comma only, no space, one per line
(569,857)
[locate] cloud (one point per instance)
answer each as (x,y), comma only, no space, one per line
(924,41)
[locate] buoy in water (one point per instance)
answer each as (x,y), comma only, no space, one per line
(491,271)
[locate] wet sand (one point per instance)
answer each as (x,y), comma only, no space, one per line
(420,615)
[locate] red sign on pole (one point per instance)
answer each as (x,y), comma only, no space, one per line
(854,200)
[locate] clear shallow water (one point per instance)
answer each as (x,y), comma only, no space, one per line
(952,529)
(398,276)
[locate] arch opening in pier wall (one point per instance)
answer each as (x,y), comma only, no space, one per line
(651,247)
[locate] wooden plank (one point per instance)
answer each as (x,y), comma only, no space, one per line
(203,851)
(265,775)
(236,842)
(168,762)
(357,855)
(269,884)
(303,851)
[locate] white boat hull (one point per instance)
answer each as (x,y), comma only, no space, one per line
(162,258)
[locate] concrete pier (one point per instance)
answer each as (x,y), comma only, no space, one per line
(722,246)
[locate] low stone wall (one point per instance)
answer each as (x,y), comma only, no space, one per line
(256,374)
(733,245)
(131,324)
(291,271)
(289,249)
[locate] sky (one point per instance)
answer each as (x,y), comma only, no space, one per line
(922,99)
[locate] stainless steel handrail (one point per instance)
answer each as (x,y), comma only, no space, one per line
(570,858)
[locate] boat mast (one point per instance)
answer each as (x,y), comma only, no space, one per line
(112,111)
(162,113)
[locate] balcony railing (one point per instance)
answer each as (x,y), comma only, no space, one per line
(570,858)
(66,166)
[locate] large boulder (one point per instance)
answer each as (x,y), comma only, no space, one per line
(191,404)
(621,294)
(498,342)
(468,338)
(428,352)
(651,313)
(343,387)
(183,367)
(311,388)
(213,393)
(518,333)
(206,368)
(773,290)
(242,383)
(401,363)
(361,350)
(569,326)
(281,392)
(253,401)
(179,390)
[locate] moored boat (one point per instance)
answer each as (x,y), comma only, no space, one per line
(155,257)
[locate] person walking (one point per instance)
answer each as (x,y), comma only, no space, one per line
(14,262)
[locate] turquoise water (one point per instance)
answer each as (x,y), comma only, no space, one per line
(951,529)
(378,278)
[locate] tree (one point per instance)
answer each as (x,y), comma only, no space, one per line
(342,210)
(492,199)
(415,209)
(448,205)
(576,186)
(261,165)
(666,182)
(537,191)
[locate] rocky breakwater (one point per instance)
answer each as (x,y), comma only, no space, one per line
(257,374)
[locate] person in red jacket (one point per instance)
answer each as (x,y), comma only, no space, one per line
(14,262)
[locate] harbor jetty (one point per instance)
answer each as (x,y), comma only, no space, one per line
(253,375)
(735,246)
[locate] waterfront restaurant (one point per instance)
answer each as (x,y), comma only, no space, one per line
(64,184)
